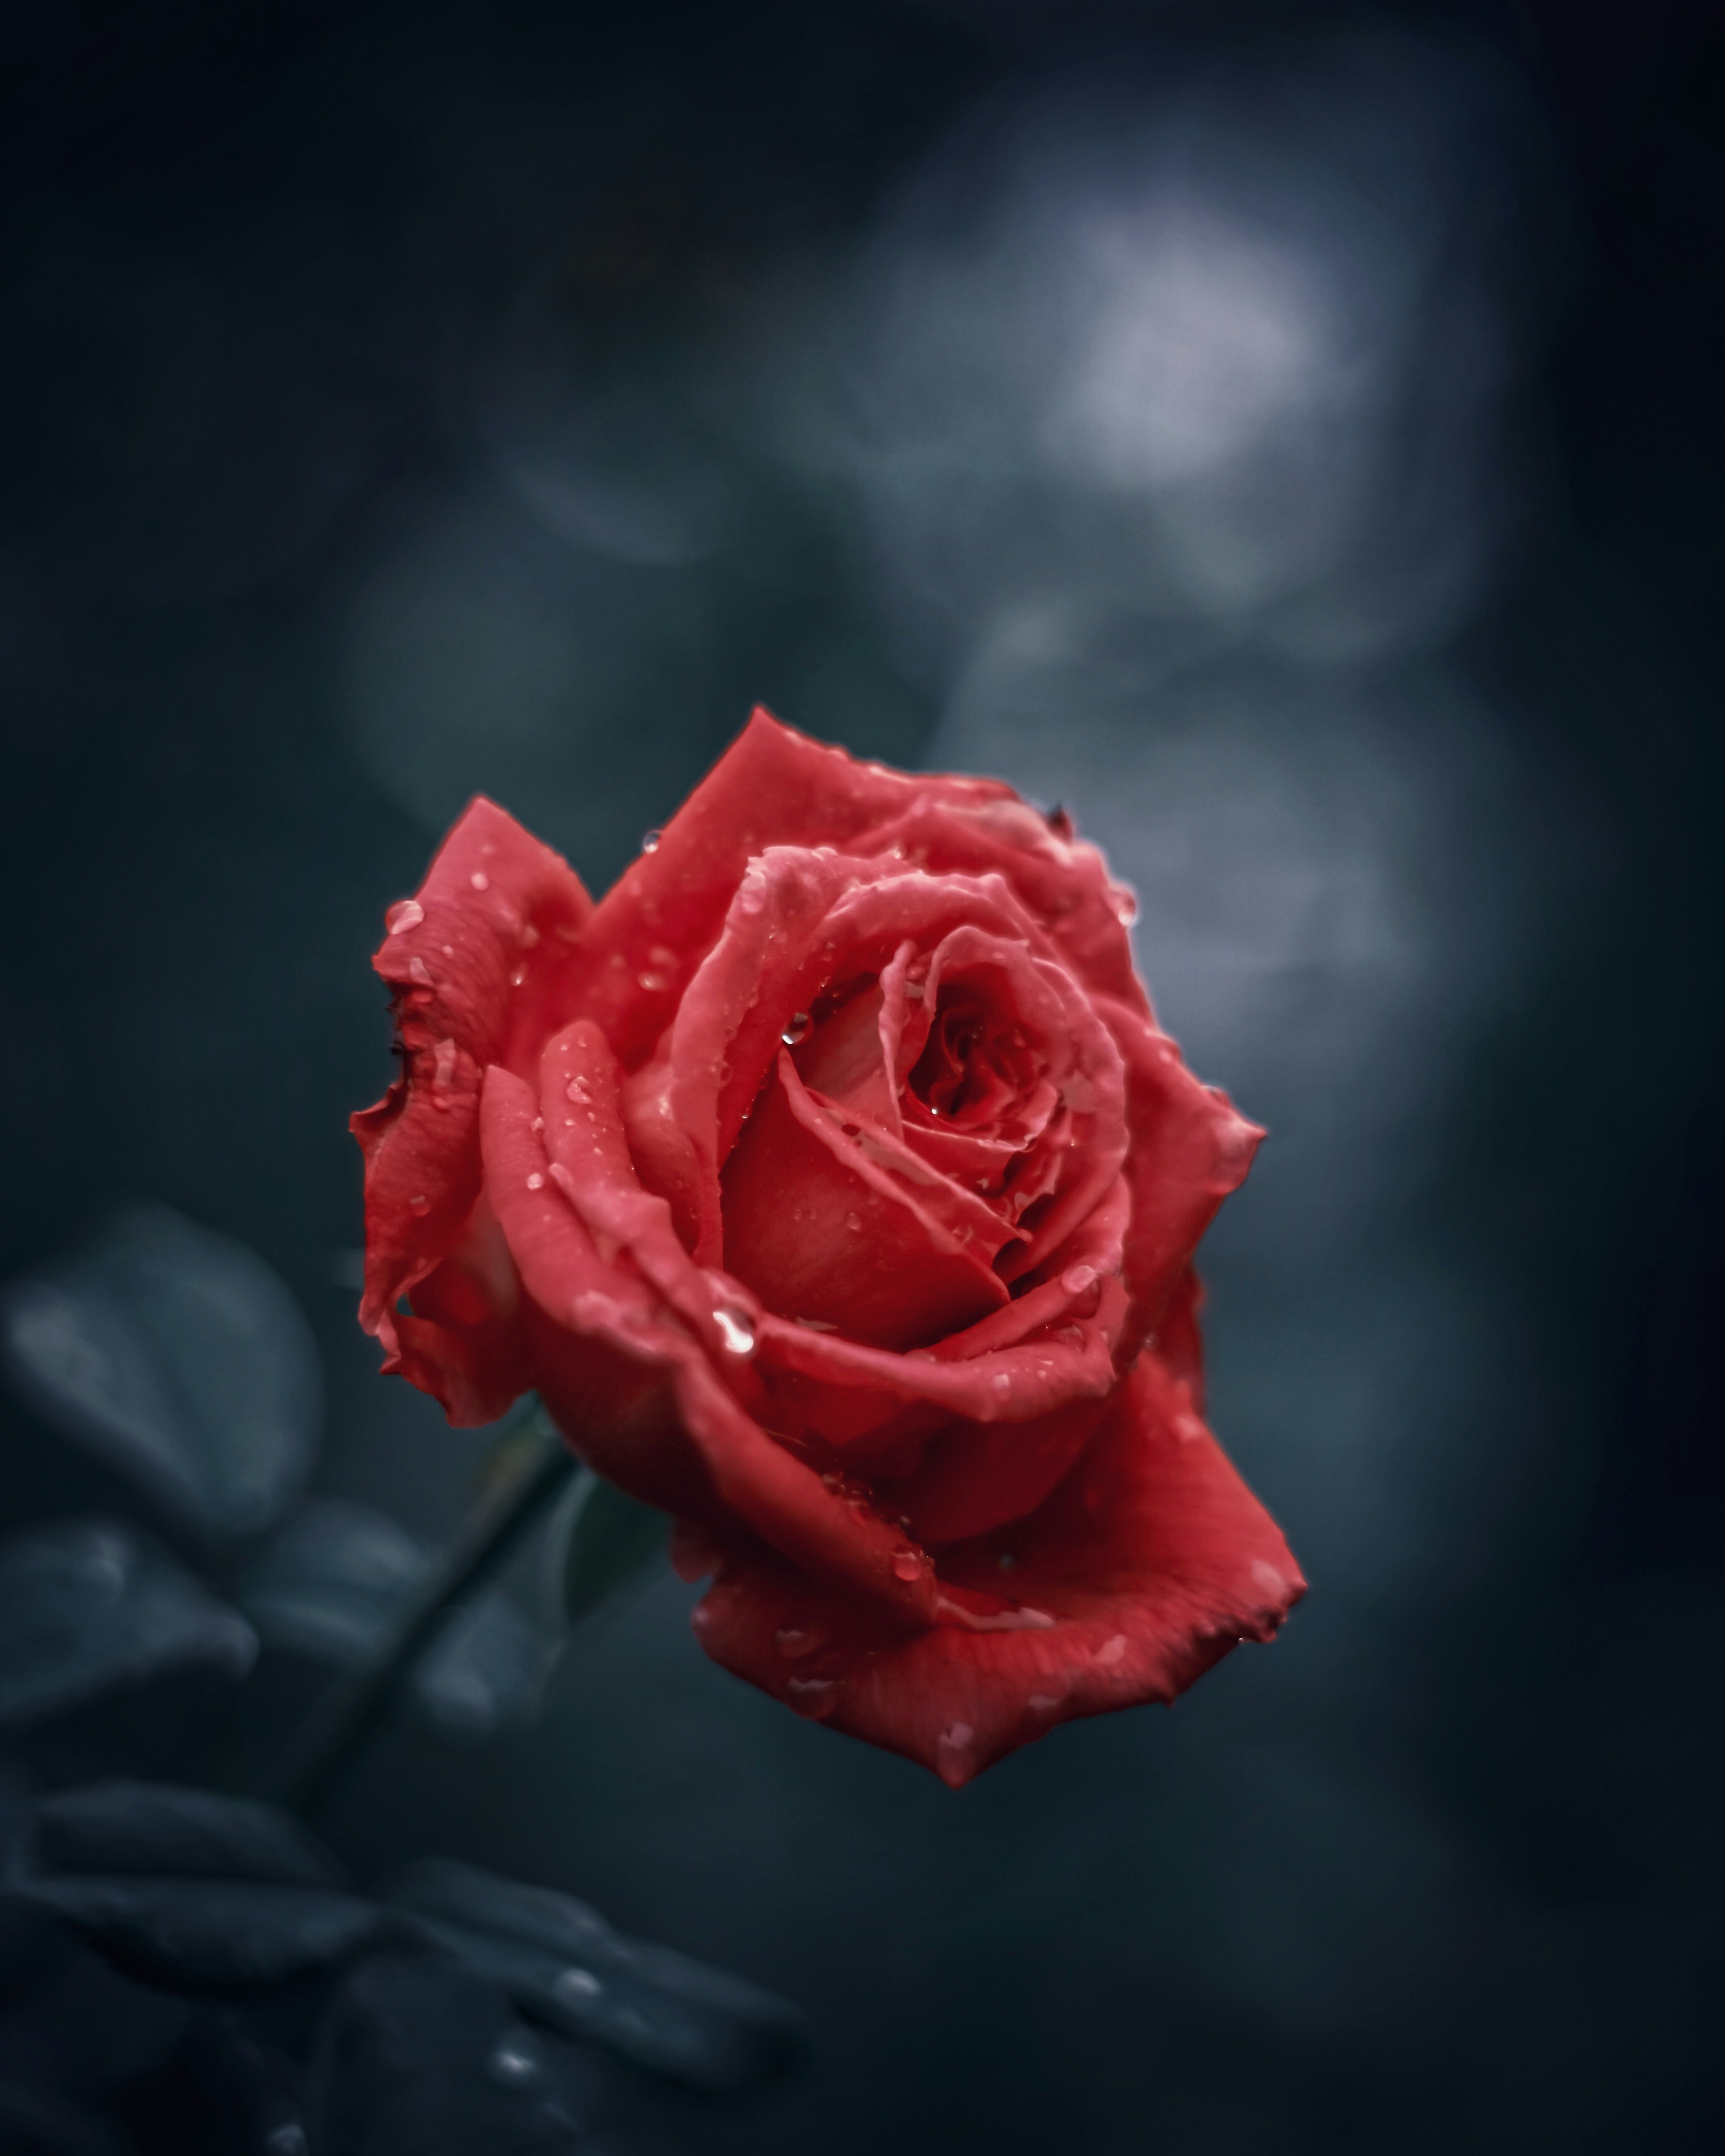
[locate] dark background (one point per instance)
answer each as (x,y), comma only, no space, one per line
(1290,435)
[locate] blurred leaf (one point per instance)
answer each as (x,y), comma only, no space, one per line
(562,1963)
(35,2120)
(484,1670)
(612,1540)
(334,1581)
(252,2089)
(426,2058)
(154,1827)
(338,1578)
(206,1933)
(89,1605)
(180,1357)
(186,1888)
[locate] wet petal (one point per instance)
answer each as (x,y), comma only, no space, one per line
(1189,1149)
(638,1397)
(772,787)
(479,960)
(1151,1558)
(822,1222)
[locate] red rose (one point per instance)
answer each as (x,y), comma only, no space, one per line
(832,1183)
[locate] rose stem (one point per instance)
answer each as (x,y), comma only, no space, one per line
(340,1726)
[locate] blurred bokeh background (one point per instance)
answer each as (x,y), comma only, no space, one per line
(1289,436)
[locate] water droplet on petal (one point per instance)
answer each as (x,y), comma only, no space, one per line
(906,1564)
(1125,906)
(1044,1703)
(797,1640)
(530,936)
(1003,1381)
(480,880)
(796,1031)
(419,1205)
(1112,1650)
(1076,1279)
(736,1331)
(577,1090)
(956,1736)
(854,1222)
(652,984)
(576,1987)
(419,972)
(650,841)
(405,913)
(535,1181)
(751,892)
(815,1696)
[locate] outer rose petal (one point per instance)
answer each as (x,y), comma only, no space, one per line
(1152,1557)
(477,961)
(1190,1148)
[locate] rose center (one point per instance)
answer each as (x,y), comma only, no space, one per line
(972,1068)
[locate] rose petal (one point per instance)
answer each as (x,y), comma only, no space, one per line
(1153,1558)
(1189,1149)
(772,787)
(1061,881)
(477,961)
(591,1164)
(638,1398)
(821,1226)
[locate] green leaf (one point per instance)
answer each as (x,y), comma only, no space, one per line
(612,1540)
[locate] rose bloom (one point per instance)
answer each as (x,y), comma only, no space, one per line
(833,1185)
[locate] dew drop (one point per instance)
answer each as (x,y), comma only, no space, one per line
(530,936)
(796,1031)
(420,1205)
(535,1181)
(419,972)
(1112,1650)
(955,1735)
(577,1090)
(813,1696)
(1044,1703)
(736,1331)
(650,841)
(480,880)
(1126,907)
(751,892)
(405,913)
(517,977)
(795,1641)
(576,1987)
(854,1222)
(652,983)
(1076,1279)
(906,1564)
(1003,1381)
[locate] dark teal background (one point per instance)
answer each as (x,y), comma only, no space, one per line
(1290,436)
